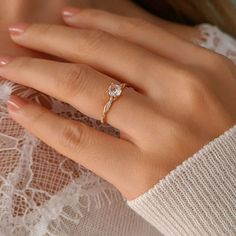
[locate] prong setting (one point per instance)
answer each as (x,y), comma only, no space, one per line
(114,91)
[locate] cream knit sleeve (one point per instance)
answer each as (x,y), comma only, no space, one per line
(199,196)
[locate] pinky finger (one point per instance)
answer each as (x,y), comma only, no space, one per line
(111,158)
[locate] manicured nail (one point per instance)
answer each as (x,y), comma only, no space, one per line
(18,29)
(15,103)
(5,60)
(70,12)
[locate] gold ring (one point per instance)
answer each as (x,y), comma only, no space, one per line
(114,91)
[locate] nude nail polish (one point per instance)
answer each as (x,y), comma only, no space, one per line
(18,29)
(70,12)
(4,60)
(15,103)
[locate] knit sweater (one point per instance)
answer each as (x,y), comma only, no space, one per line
(199,196)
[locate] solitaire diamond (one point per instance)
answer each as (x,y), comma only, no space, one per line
(115,90)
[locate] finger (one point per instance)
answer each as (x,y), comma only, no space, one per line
(135,30)
(82,87)
(107,156)
(130,9)
(116,57)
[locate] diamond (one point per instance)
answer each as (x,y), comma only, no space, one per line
(115,90)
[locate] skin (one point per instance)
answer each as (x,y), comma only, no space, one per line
(13,11)
(178,102)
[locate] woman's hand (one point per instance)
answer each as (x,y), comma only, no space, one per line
(183,97)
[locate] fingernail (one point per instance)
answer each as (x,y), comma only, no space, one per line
(18,29)
(4,60)
(70,12)
(15,103)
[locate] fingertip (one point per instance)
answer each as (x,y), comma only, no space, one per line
(18,29)
(4,60)
(16,103)
(69,12)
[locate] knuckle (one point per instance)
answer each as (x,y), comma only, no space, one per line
(72,136)
(37,117)
(92,13)
(90,41)
(74,81)
(22,62)
(128,27)
(41,29)
(96,38)
(195,91)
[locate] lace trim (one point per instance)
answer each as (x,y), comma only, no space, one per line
(27,207)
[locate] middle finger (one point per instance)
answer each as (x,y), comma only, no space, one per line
(114,56)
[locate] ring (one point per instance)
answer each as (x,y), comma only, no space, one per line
(114,91)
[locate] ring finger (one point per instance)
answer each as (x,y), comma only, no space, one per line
(82,87)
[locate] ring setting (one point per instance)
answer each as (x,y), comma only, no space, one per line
(114,91)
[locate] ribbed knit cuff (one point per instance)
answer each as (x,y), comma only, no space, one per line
(199,196)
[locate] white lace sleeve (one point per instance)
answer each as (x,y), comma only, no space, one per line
(216,40)
(45,193)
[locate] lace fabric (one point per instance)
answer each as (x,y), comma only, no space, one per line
(45,193)
(216,40)
(38,186)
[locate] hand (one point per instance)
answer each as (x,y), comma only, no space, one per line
(183,97)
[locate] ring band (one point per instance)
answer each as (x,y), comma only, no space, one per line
(114,91)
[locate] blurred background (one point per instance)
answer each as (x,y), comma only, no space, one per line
(217,12)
